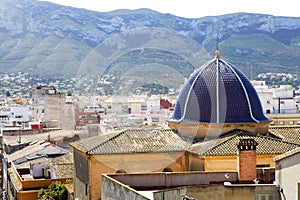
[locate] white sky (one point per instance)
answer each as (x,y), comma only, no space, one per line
(193,8)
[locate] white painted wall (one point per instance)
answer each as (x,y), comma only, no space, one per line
(287,175)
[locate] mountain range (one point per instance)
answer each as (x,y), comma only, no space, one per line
(50,40)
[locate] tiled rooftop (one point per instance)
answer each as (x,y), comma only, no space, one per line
(226,146)
(287,154)
(278,141)
(288,134)
(218,93)
(34,151)
(63,165)
(133,141)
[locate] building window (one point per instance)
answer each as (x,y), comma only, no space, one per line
(266,197)
(262,165)
(291,122)
(121,171)
(281,102)
(281,123)
(167,169)
(272,123)
(268,102)
(298,122)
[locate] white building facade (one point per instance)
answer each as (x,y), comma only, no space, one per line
(287,174)
(276,100)
(14,114)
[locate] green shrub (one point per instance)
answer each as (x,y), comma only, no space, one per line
(57,191)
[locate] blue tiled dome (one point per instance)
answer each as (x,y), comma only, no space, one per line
(218,93)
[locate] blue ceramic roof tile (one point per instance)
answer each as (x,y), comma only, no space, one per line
(218,93)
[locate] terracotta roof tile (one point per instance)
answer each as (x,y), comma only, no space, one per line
(287,154)
(63,165)
(133,141)
(87,144)
(226,146)
(288,134)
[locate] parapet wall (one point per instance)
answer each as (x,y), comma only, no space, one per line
(113,189)
(162,180)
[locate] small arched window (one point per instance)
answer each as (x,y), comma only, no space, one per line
(167,169)
(121,171)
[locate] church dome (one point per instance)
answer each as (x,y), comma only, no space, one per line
(218,93)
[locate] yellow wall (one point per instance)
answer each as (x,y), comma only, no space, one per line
(266,159)
(229,163)
(220,163)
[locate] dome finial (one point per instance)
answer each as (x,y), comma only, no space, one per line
(217,54)
(217,47)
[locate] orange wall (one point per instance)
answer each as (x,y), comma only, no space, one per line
(27,195)
(40,183)
(157,162)
(134,163)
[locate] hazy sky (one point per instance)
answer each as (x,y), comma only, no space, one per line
(193,8)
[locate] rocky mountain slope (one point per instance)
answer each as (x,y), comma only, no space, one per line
(58,41)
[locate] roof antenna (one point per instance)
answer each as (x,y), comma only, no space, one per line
(217,45)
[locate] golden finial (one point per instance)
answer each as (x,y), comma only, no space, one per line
(217,54)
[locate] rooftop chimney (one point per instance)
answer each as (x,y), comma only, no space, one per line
(247,160)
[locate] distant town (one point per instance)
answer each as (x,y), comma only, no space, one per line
(143,105)
(20,84)
(43,123)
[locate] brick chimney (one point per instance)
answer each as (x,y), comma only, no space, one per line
(246,160)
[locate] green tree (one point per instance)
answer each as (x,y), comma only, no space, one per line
(57,191)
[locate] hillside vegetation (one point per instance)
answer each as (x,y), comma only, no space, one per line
(49,40)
